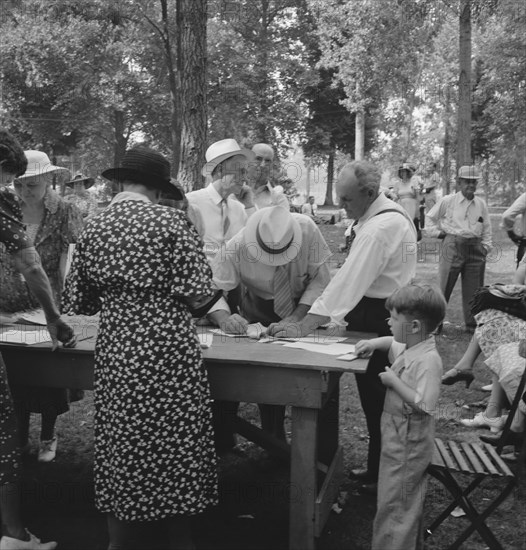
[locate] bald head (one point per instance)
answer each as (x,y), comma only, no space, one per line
(259,169)
(357,187)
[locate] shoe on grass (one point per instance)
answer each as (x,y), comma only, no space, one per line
(480,420)
(9,543)
(48,450)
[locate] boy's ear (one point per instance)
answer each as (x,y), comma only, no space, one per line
(416,326)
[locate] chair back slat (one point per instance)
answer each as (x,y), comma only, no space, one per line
(472,457)
(498,461)
(485,460)
(446,457)
(463,465)
(437,457)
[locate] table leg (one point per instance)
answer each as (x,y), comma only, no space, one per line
(328,427)
(303,478)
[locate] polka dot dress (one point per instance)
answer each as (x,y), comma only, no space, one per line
(14,238)
(136,262)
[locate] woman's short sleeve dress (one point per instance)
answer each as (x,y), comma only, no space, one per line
(154,453)
(14,238)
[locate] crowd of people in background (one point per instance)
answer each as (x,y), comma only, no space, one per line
(233,254)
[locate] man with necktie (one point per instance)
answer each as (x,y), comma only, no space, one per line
(221,214)
(281,260)
(310,208)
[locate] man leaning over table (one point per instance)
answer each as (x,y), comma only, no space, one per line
(462,221)
(281,261)
(27,261)
(382,258)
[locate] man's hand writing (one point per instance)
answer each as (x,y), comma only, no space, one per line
(235,324)
(61,331)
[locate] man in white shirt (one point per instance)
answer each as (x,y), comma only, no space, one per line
(281,260)
(310,208)
(221,214)
(462,221)
(258,175)
(382,258)
(515,227)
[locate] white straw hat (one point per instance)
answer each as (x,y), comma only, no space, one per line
(39,163)
(273,236)
(222,150)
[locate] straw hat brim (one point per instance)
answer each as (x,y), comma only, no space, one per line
(45,170)
(208,168)
(256,253)
(121,174)
(88,182)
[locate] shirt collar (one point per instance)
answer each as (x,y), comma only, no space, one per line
(214,195)
(263,189)
(420,349)
(129,196)
(464,199)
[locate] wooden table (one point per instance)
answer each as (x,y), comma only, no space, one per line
(242,370)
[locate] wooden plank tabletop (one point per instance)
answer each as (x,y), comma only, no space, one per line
(235,350)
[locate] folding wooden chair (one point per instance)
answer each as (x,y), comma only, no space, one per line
(478,460)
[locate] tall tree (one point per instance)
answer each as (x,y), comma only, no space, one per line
(191,26)
(464,86)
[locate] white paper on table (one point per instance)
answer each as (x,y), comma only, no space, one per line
(220,332)
(317,339)
(205,339)
(35,317)
(13,335)
(348,357)
(331,349)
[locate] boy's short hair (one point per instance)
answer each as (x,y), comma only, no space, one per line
(12,155)
(423,302)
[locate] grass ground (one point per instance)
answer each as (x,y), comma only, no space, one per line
(254,499)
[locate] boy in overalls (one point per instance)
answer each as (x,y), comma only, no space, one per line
(408,424)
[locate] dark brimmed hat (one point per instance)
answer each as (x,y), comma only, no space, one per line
(79,178)
(143,165)
(406,166)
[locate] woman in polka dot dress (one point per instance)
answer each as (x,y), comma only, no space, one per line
(138,263)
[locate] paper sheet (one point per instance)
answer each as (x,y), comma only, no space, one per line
(330,349)
(348,357)
(254,331)
(13,335)
(35,317)
(205,339)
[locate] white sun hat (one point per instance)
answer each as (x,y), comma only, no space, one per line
(38,163)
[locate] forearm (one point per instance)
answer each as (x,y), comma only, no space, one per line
(27,262)
(300,312)
(218,316)
(381,344)
(405,392)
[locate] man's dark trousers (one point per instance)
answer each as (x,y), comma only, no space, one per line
(370,315)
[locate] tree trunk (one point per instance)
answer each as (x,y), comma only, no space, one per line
(464,87)
(174,77)
(330,180)
(446,174)
(120,142)
(307,181)
(359,143)
(262,109)
(192,55)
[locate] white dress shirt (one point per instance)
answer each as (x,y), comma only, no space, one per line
(382,258)
(309,209)
(266,195)
(456,215)
(518,208)
(208,203)
(308,272)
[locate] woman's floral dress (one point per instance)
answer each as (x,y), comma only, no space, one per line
(137,262)
(13,238)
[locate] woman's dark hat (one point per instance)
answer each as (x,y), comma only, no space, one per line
(143,165)
(79,178)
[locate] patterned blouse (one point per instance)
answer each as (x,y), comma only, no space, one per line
(60,227)
(12,234)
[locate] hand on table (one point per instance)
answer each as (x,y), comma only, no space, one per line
(364,348)
(235,324)
(287,329)
(61,331)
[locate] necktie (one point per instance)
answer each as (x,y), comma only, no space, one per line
(352,236)
(282,293)
(224,216)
